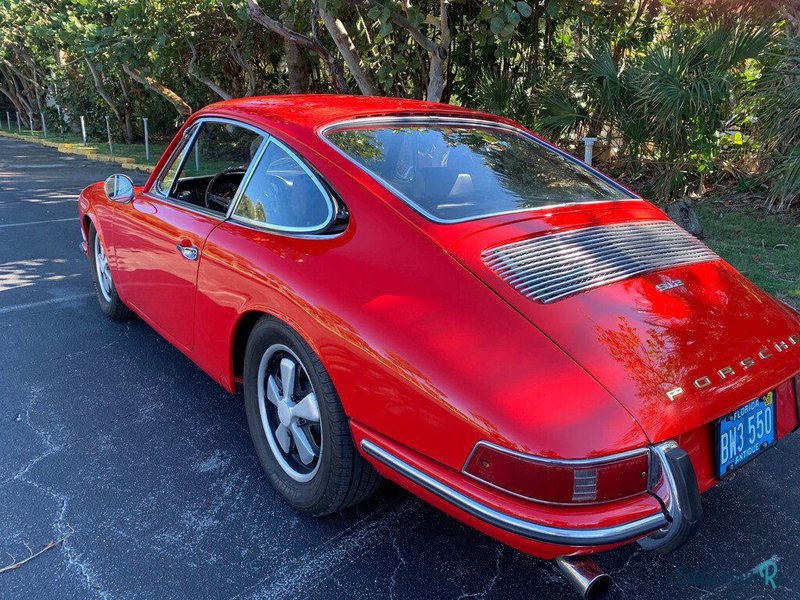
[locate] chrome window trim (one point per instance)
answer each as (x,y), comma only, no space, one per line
(251,168)
(461,121)
(578,462)
(197,126)
(329,201)
(536,531)
(187,139)
(287,234)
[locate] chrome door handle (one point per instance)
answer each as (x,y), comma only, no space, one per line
(188,252)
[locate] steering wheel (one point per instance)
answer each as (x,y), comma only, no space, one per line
(222,188)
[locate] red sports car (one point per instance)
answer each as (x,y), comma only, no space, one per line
(438,296)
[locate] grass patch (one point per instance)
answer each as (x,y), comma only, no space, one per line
(764,247)
(134,152)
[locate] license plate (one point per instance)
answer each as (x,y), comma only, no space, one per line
(745,433)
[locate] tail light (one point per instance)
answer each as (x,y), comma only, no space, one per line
(561,481)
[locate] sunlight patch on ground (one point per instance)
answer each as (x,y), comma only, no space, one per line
(24,273)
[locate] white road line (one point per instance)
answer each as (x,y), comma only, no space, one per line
(37,222)
(58,300)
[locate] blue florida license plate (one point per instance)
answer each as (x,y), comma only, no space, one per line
(745,433)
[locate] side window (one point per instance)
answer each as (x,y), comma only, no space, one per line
(208,172)
(282,194)
(164,184)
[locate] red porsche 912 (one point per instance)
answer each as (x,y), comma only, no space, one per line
(435,295)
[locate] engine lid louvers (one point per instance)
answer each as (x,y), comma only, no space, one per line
(557,265)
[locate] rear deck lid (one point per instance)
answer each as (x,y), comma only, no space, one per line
(669,328)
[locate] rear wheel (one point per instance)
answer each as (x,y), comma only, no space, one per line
(299,428)
(107,296)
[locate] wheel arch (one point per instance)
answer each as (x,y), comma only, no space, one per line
(88,221)
(243,328)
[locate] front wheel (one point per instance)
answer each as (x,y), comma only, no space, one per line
(299,428)
(107,296)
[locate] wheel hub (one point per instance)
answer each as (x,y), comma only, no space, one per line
(285,413)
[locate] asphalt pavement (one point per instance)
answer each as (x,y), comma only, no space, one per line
(139,469)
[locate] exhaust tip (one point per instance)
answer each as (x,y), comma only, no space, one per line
(591,582)
(599,587)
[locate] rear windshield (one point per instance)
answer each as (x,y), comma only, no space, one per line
(456,172)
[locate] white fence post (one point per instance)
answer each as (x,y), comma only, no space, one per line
(8,117)
(108,129)
(588,148)
(44,125)
(19,125)
(60,121)
(83,130)
(146,140)
(30,121)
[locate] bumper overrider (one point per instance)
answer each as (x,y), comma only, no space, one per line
(663,531)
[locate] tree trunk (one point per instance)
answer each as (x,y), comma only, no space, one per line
(101,90)
(18,83)
(296,65)
(348,50)
(10,90)
(439,53)
(126,110)
(194,72)
(439,56)
(181,106)
(332,64)
(246,66)
(33,80)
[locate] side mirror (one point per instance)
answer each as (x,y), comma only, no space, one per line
(119,188)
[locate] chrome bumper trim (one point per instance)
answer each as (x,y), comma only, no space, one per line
(684,508)
(534,531)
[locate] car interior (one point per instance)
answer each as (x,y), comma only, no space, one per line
(280,193)
(214,167)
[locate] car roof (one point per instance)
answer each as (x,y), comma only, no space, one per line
(314,111)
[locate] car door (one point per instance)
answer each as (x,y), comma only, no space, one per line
(159,236)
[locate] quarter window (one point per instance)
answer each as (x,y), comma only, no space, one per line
(282,194)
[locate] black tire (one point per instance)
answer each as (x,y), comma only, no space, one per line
(342,478)
(113,307)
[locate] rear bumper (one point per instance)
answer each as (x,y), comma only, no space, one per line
(667,528)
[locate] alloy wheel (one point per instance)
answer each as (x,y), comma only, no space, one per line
(103,271)
(289,412)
